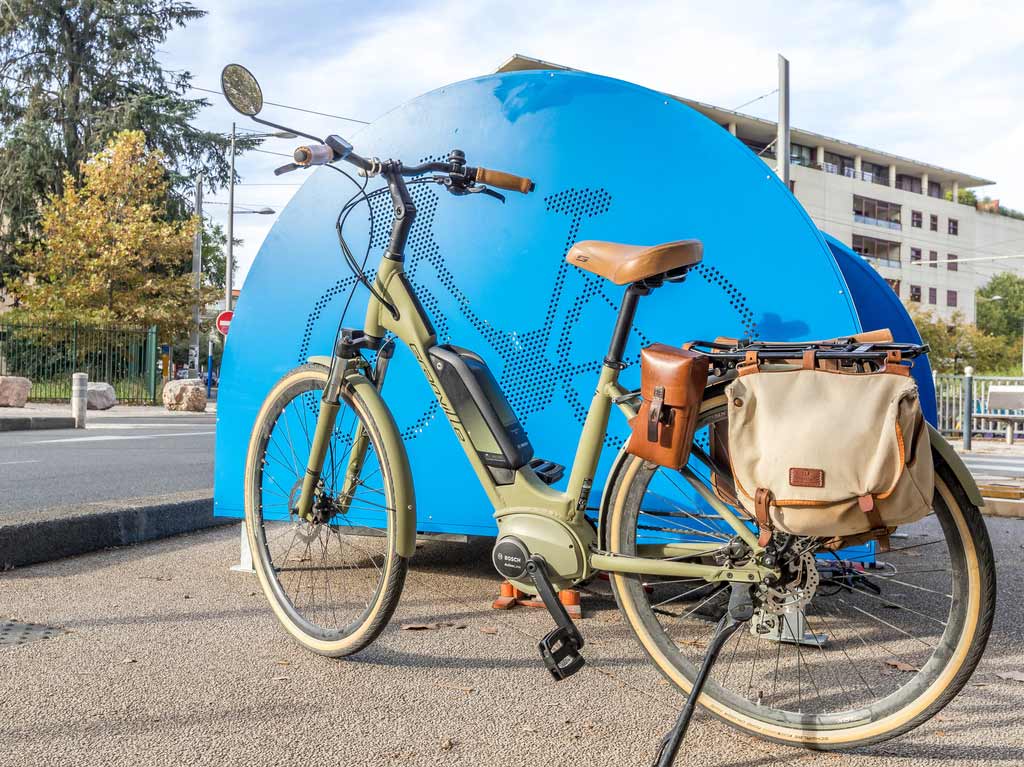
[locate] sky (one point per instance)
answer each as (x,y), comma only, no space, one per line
(941,82)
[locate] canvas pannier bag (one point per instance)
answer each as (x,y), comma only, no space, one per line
(672,384)
(829,453)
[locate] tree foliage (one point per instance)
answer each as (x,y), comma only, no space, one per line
(106,253)
(1001,305)
(956,343)
(72,74)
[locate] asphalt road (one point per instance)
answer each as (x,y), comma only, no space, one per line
(114,458)
(172,659)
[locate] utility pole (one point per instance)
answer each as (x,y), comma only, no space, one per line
(231,227)
(197,280)
(782,137)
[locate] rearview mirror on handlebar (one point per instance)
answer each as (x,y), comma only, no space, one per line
(241,90)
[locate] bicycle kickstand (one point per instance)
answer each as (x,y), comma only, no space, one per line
(740,610)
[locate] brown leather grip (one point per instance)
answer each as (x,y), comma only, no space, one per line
(883,336)
(504,180)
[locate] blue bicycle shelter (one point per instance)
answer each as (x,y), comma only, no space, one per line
(611,161)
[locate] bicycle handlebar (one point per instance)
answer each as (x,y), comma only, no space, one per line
(336,148)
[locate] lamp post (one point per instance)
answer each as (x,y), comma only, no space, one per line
(230,261)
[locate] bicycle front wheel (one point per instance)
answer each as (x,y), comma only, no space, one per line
(333,583)
(859,646)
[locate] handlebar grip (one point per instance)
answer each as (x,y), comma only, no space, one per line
(504,180)
(314,154)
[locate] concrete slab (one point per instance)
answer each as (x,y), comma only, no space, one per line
(172,659)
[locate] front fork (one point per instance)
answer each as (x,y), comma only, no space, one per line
(330,404)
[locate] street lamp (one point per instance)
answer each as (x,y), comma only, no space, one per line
(229,266)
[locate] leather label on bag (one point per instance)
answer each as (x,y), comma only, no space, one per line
(806,477)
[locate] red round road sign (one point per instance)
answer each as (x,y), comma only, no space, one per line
(224,322)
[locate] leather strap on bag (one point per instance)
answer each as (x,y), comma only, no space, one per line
(878,529)
(654,415)
(762,507)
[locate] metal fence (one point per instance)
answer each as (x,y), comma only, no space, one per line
(949,396)
(124,357)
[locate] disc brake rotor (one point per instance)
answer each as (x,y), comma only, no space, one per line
(797,593)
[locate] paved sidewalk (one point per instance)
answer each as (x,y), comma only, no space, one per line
(46,409)
(171,659)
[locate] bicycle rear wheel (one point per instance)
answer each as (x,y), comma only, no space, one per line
(333,584)
(860,647)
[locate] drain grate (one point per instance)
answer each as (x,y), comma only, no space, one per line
(15,633)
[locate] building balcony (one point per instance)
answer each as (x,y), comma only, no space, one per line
(848,172)
(894,225)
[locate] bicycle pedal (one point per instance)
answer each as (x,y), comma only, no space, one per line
(549,472)
(560,651)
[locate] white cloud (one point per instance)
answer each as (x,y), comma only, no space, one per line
(939,81)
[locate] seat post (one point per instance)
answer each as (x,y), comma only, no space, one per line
(627,313)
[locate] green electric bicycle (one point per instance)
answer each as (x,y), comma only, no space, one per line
(790,640)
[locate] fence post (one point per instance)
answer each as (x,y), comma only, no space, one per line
(968,414)
(151,362)
(79,398)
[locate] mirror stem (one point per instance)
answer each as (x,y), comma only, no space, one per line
(261,121)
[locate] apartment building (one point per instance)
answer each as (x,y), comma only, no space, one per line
(890,209)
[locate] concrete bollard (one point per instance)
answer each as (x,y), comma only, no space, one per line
(79,398)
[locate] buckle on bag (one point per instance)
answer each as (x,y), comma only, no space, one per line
(654,417)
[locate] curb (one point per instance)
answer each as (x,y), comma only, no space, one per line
(1003,507)
(33,422)
(42,536)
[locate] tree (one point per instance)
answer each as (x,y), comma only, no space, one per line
(955,343)
(106,253)
(215,258)
(1002,316)
(72,74)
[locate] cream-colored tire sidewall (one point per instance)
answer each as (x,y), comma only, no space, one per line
(358,638)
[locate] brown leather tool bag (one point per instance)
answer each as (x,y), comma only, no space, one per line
(672,383)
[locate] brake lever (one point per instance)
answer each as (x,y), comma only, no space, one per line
(286,169)
(460,189)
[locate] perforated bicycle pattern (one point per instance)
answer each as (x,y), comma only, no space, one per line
(530,376)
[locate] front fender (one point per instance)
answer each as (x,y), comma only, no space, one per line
(952,458)
(390,440)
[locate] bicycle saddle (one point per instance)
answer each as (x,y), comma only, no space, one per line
(624,264)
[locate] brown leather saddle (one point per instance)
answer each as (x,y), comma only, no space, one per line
(625,264)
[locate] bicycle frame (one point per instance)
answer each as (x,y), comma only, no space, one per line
(526,502)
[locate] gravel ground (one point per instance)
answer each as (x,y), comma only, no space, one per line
(171,659)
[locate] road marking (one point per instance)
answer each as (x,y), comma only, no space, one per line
(12,463)
(121,436)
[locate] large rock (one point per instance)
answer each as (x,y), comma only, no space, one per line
(14,391)
(100,396)
(187,394)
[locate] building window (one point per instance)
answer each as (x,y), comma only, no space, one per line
(933,222)
(933,295)
(935,189)
(908,183)
(801,155)
(886,252)
(954,226)
(950,298)
(915,254)
(933,259)
(895,285)
(915,293)
(837,163)
(916,218)
(951,263)
(878,174)
(867,210)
